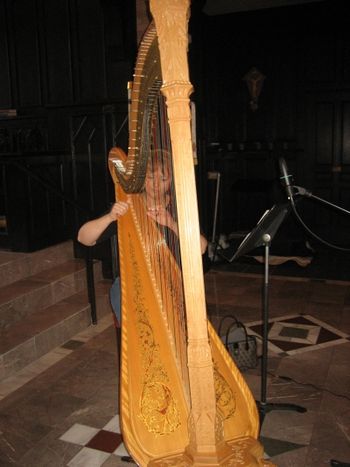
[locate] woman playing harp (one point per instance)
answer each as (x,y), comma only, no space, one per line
(183,401)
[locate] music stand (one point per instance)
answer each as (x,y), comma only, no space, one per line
(262,235)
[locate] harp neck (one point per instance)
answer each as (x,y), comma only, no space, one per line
(171,20)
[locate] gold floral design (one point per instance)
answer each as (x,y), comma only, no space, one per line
(158,408)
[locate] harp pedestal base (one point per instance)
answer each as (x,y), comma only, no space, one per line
(245,451)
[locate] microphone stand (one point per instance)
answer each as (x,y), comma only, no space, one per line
(262,235)
(263,406)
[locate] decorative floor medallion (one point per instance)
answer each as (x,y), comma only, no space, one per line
(292,334)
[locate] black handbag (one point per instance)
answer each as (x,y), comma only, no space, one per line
(241,346)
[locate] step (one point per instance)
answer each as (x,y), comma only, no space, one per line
(45,288)
(38,333)
(16,266)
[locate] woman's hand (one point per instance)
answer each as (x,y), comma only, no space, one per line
(163,217)
(204,244)
(118,210)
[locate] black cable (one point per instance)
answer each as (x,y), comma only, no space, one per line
(128,459)
(288,378)
(330,245)
(335,463)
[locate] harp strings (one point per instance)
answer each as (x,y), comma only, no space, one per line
(158,224)
(170,232)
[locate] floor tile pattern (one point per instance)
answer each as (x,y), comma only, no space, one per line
(97,444)
(62,409)
(292,334)
(110,443)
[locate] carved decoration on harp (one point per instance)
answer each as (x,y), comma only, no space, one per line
(158,409)
(183,401)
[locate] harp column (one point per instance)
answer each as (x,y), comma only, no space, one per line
(205,425)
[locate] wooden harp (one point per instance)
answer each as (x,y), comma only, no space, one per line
(182,400)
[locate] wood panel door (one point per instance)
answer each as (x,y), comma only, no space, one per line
(326,167)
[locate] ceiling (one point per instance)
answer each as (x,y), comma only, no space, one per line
(221,7)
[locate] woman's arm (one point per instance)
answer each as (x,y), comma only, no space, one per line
(91,230)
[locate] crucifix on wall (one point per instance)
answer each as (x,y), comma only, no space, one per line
(255,80)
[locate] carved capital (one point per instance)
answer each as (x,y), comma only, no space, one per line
(171,19)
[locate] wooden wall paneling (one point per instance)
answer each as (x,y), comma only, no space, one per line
(65,52)
(304,51)
(18,212)
(247,188)
(283,105)
(345,57)
(6,100)
(319,68)
(25,134)
(36,217)
(324,137)
(98,155)
(74,50)
(58,214)
(343,177)
(27,52)
(11,54)
(90,159)
(115,128)
(49,212)
(85,159)
(234,45)
(115,50)
(119,39)
(91,50)
(342,231)
(328,158)
(238,42)
(56,49)
(321,146)
(211,96)
(39,206)
(228,214)
(111,121)
(345,132)
(58,52)
(322,64)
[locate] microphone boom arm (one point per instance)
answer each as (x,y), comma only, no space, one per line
(308,194)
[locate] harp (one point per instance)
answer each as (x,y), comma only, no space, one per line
(182,400)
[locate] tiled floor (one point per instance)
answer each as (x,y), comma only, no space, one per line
(63,409)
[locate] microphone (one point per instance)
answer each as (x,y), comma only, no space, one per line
(285,178)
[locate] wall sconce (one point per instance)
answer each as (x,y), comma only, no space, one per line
(255,80)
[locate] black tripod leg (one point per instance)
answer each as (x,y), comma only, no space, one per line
(264,408)
(268,407)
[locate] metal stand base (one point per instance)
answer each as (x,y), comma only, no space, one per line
(264,408)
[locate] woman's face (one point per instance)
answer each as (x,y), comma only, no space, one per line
(157,181)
